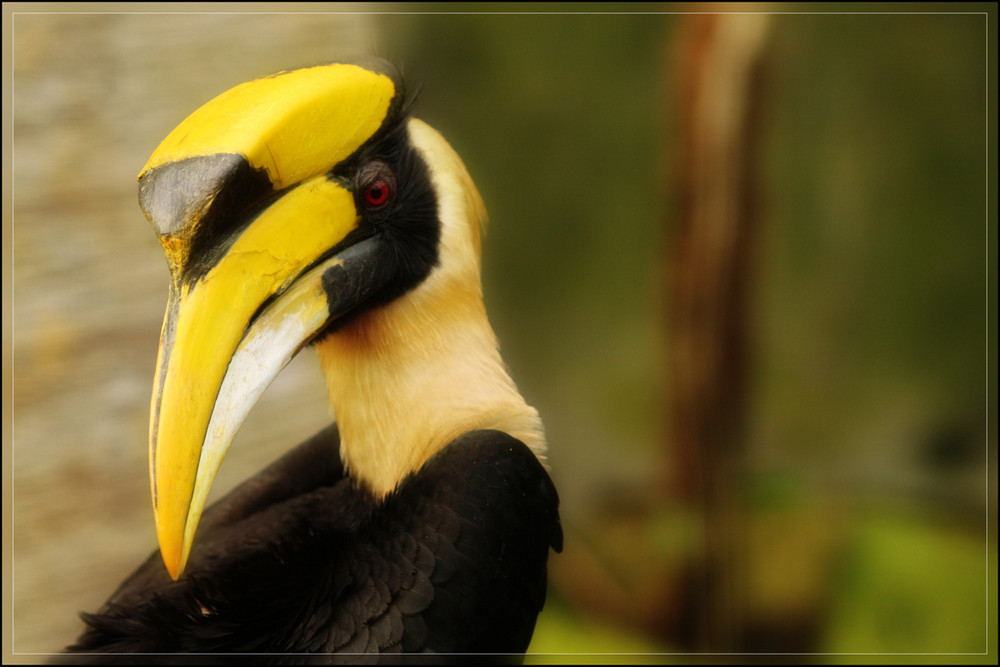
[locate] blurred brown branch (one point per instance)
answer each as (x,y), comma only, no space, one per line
(718,69)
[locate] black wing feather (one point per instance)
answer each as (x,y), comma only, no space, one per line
(298,560)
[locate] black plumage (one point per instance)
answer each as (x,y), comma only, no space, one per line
(300,560)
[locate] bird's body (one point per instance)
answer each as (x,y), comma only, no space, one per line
(421,521)
(299,561)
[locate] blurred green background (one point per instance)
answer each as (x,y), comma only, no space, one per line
(869,493)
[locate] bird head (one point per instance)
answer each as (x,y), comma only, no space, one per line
(308,207)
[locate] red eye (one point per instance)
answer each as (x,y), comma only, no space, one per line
(377,192)
(376,187)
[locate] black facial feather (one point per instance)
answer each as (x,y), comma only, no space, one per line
(406,225)
(409,223)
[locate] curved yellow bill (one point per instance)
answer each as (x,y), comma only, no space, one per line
(245,295)
(212,368)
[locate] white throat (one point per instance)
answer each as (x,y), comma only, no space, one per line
(407,378)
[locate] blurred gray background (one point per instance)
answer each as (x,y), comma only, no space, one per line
(870,436)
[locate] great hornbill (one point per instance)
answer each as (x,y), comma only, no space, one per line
(309,208)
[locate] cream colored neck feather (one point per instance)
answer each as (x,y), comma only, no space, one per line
(406,379)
